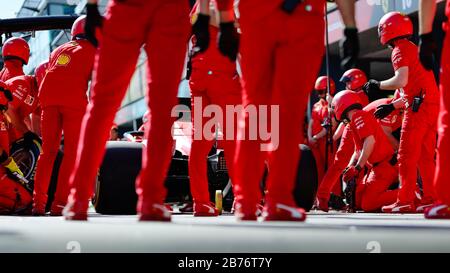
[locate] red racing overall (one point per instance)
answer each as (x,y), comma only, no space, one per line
(14,198)
(418,136)
(163,26)
(374,192)
(442,176)
(25,96)
(281,56)
(347,146)
(63,98)
(11,69)
(215,80)
(319,114)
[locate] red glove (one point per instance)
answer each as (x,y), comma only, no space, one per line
(351,173)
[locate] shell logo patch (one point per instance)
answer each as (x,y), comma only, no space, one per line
(2,126)
(63,59)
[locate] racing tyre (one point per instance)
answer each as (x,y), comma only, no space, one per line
(115,191)
(26,159)
(307,179)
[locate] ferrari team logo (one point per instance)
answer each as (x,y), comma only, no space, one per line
(63,59)
(29,100)
(2,126)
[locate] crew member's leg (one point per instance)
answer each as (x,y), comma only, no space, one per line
(71,124)
(256,49)
(376,193)
(427,168)
(341,161)
(297,62)
(51,124)
(116,63)
(166,45)
(442,175)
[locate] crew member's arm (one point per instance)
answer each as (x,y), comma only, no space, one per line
(353,159)
(321,134)
(347,10)
(228,40)
(369,143)
(399,80)
(349,45)
(394,142)
(385,109)
(427,10)
(339,131)
(399,103)
(427,45)
(17,119)
(94,20)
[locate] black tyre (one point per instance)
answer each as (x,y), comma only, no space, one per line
(307,179)
(115,191)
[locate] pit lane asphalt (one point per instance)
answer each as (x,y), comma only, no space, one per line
(322,232)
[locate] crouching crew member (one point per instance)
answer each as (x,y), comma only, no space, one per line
(367,133)
(24,111)
(14,196)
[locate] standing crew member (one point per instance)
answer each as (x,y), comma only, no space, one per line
(214,80)
(427,46)
(317,132)
(16,53)
(367,133)
(282,46)
(24,111)
(163,27)
(62,111)
(420,98)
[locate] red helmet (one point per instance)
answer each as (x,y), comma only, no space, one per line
(78,26)
(321,85)
(345,101)
(5,96)
(16,47)
(354,79)
(40,71)
(394,25)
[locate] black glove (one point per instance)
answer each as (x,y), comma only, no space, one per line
(28,139)
(200,30)
(371,86)
(349,48)
(93,20)
(427,50)
(384,110)
(228,40)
